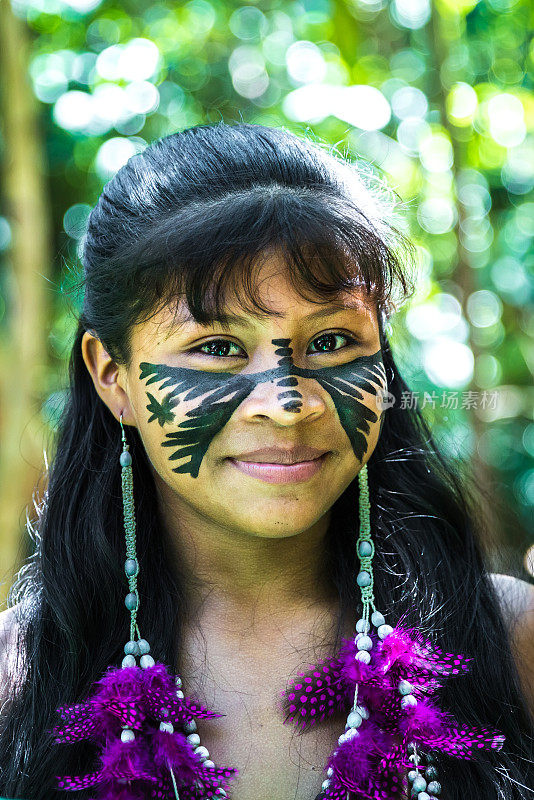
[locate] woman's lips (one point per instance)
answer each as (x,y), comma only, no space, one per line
(280,473)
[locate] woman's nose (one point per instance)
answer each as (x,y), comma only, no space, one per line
(285,401)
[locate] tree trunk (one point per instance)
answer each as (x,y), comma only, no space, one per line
(23,350)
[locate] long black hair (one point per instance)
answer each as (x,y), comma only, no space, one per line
(190,217)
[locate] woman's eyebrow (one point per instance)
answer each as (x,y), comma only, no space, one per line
(224,319)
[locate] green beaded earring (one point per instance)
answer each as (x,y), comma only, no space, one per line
(131,565)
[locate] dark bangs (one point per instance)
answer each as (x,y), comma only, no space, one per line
(210,251)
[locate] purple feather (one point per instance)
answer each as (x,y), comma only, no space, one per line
(126,761)
(139,699)
(353,671)
(173,750)
(373,762)
(355,760)
(407,648)
(314,695)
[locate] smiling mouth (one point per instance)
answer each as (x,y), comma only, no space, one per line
(280,473)
(277,463)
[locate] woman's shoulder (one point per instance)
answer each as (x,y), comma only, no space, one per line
(516,596)
(8,630)
(8,643)
(517,603)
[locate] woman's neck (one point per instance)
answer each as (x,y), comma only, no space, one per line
(246,582)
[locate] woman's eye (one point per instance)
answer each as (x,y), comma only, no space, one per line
(216,345)
(324,340)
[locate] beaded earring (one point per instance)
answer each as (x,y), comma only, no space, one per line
(389,675)
(133,711)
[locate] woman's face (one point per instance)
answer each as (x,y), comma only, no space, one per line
(203,398)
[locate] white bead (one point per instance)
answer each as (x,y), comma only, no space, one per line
(146,660)
(178,681)
(203,752)
(377,619)
(351,733)
(405,687)
(128,661)
(419,784)
(362,711)
(194,739)
(127,735)
(179,693)
(363,656)
(166,726)
(354,720)
(409,701)
(364,643)
(208,763)
(362,626)
(384,630)
(341,738)
(190,727)
(329,772)
(325,784)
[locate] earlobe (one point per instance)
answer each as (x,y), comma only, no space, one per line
(106,376)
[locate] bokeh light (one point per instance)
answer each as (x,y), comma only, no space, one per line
(448,363)
(462,102)
(114,153)
(75,220)
(5,234)
(506,119)
(305,63)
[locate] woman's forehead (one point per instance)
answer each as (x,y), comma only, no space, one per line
(176,318)
(278,297)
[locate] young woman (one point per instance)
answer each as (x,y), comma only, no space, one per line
(238,285)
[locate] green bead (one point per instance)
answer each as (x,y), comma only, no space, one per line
(363,578)
(131,566)
(130,601)
(365,548)
(125,459)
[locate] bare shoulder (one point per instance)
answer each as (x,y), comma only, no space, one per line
(8,639)
(515,595)
(517,602)
(8,627)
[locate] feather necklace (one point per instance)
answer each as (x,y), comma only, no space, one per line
(151,749)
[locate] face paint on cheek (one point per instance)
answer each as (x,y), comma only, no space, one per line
(223,392)
(346,384)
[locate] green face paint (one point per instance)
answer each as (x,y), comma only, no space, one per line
(222,393)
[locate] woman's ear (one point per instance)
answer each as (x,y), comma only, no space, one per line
(109,378)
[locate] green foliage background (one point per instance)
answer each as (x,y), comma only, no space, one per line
(440,104)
